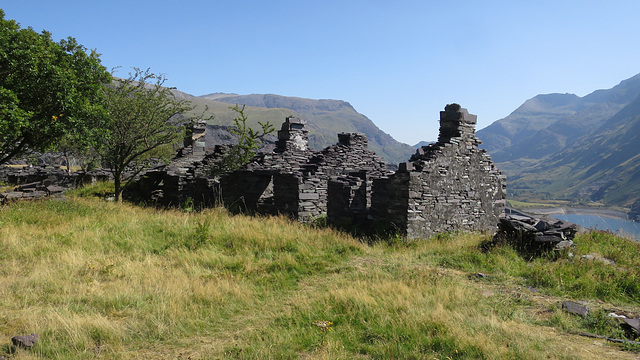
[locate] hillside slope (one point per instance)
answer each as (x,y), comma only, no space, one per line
(565,147)
(110,280)
(325,118)
(603,166)
(546,124)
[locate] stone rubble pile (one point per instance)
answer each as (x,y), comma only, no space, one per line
(32,191)
(40,182)
(533,235)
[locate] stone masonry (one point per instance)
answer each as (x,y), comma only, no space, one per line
(447,186)
(294,180)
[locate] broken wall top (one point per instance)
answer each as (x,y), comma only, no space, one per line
(292,154)
(456,121)
(457,131)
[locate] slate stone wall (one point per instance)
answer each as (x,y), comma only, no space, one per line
(446,186)
(299,176)
(348,200)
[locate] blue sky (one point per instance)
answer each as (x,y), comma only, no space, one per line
(397,62)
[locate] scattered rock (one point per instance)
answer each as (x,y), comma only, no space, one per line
(575,308)
(534,236)
(632,326)
(25,341)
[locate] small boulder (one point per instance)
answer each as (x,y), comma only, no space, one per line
(25,341)
(575,308)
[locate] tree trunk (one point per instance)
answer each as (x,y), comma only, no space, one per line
(66,158)
(117,181)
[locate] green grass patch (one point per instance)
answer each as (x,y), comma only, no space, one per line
(98,279)
(101,189)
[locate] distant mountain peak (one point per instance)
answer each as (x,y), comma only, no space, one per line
(556,102)
(567,146)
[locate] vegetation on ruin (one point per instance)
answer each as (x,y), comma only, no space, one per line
(143,122)
(248,141)
(108,280)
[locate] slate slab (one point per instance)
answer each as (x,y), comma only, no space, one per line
(633,324)
(25,341)
(575,308)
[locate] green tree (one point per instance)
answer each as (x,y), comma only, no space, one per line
(144,122)
(77,150)
(47,89)
(248,141)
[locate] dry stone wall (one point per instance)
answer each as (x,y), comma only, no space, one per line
(294,180)
(39,182)
(446,186)
(449,185)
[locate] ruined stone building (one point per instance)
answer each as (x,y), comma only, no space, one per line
(446,186)
(294,180)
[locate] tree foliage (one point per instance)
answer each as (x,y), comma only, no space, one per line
(143,123)
(47,89)
(248,141)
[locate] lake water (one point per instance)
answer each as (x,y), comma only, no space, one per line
(626,228)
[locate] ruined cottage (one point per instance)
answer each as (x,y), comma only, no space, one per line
(446,186)
(294,179)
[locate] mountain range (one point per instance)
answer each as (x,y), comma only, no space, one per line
(325,119)
(582,149)
(585,150)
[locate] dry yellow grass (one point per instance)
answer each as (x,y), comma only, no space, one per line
(102,280)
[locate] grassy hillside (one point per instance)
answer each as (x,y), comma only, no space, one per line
(325,119)
(101,280)
(223,115)
(602,167)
